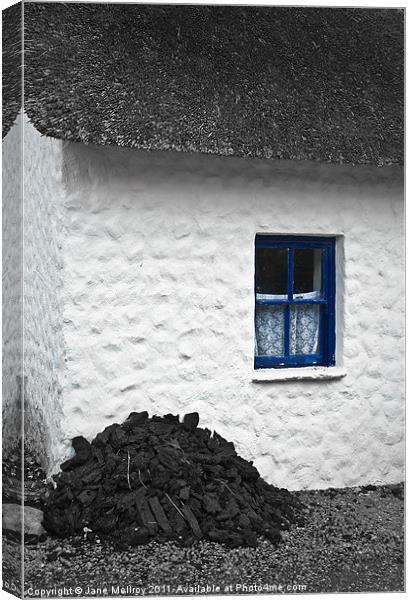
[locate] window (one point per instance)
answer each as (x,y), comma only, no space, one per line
(294,301)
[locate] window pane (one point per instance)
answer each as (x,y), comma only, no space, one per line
(269,330)
(271,270)
(307,273)
(305,329)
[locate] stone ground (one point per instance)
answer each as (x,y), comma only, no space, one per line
(352,541)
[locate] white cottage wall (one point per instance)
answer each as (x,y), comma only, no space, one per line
(12,245)
(32,294)
(158,306)
(42,291)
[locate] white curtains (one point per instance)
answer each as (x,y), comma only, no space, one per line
(269,331)
(304,328)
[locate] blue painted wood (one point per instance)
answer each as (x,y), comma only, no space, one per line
(262,241)
(267,362)
(285,302)
(326,355)
(290,296)
(287,331)
(331,306)
(290,274)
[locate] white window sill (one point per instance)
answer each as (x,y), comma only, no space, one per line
(261,375)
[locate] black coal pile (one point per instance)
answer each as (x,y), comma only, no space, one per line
(159,478)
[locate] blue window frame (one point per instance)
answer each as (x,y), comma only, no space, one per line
(294,301)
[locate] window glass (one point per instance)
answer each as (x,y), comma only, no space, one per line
(304,328)
(269,330)
(307,273)
(271,271)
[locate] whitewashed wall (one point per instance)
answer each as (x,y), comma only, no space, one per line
(43,298)
(158,306)
(32,289)
(12,244)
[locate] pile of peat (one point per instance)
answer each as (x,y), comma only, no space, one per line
(159,478)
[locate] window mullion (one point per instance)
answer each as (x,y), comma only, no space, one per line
(290,297)
(290,274)
(287,331)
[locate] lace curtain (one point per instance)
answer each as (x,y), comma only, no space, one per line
(304,329)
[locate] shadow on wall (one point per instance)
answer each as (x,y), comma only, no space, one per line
(35,441)
(12,419)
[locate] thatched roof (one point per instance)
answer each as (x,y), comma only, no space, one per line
(298,83)
(11,65)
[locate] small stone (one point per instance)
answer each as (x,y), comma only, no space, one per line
(52,556)
(33,519)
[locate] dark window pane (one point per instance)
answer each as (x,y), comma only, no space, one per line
(271,270)
(307,271)
(269,330)
(305,328)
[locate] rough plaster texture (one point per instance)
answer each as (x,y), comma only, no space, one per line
(32,286)
(12,242)
(158,306)
(43,280)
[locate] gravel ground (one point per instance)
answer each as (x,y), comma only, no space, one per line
(352,541)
